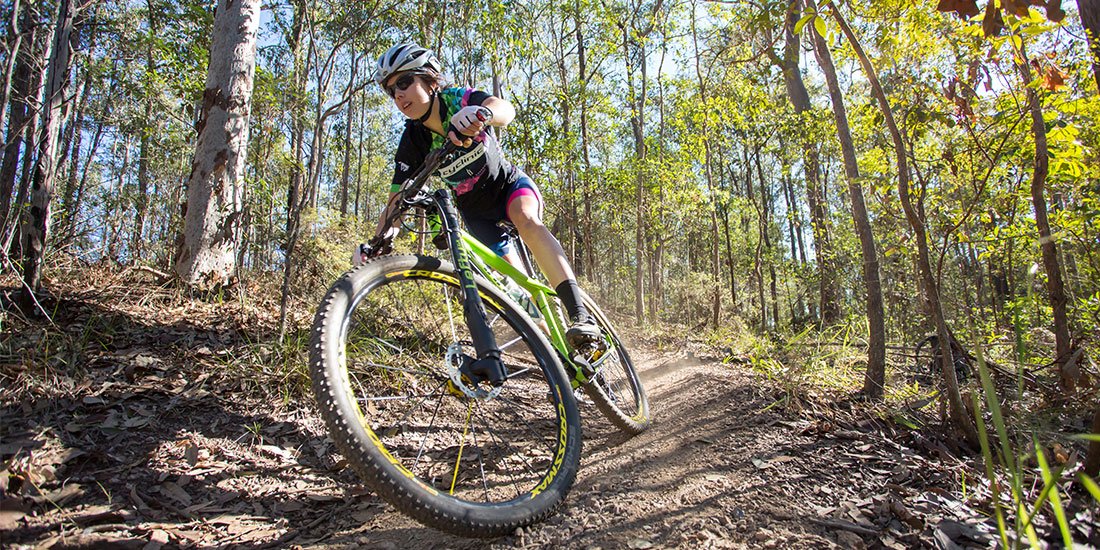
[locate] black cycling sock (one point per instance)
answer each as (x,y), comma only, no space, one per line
(570,295)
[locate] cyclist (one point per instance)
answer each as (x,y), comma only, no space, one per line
(489,189)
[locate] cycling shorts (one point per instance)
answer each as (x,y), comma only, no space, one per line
(483,223)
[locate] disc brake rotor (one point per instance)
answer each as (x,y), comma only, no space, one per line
(460,384)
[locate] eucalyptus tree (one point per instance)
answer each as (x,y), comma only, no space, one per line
(875,378)
(207,251)
(37,218)
(788,62)
(322,39)
(709,168)
(1063,352)
(22,107)
(11,47)
(930,284)
(637,21)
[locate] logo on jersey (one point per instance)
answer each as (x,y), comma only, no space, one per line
(463,162)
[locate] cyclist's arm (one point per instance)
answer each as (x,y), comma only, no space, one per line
(503,111)
(382,230)
(406,161)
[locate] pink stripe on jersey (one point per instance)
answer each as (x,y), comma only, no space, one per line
(466,97)
(466,185)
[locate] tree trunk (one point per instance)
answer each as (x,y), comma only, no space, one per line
(76,127)
(637,123)
(875,376)
(1068,371)
(359,162)
(582,68)
(571,237)
(215,188)
(957,411)
(141,197)
(15,41)
(785,183)
(296,199)
(1090,19)
(19,120)
(758,254)
(729,256)
(116,223)
(763,213)
(145,151)
(346,176)
(36,100)
(36,221)
(800,100)
(1092,459)
(715,266)
(73,208)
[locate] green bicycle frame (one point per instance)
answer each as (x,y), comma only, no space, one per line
(488,262)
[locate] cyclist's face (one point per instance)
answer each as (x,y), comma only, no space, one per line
(412,101)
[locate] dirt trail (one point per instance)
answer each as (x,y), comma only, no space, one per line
(714,471)
(153,451)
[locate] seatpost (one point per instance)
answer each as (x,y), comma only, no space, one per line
(488,364)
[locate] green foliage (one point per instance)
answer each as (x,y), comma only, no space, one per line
(1006,473)
(723,169)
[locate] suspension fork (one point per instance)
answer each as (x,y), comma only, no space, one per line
(488,365)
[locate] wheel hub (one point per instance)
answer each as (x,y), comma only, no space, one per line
(460,383)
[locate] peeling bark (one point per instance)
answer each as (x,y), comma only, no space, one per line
(215,189)
(36,221)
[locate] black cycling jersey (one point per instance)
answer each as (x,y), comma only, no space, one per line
(479,173)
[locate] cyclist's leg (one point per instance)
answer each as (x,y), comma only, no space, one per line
(524,207)
(483,226)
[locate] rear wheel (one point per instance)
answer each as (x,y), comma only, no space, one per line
(615,387)
(386,353)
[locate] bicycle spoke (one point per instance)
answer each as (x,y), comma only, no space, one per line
(483,450)
(548,443)
(431,423)
(511,452)
(414,408)
(504,347)
(462,444)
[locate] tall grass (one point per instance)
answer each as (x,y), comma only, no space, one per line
(1007,476)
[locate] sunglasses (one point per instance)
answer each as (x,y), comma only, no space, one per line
(402,83)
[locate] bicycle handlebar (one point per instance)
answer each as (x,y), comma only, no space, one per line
(411,188)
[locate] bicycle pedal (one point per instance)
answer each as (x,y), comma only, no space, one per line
(585,365)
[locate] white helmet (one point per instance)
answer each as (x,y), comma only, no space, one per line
(405,57)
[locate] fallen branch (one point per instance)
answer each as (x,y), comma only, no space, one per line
(161,276)
(844,525)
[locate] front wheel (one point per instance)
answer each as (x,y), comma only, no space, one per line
(386,354)
(615,387)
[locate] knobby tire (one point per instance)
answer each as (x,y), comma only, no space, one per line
(382,352)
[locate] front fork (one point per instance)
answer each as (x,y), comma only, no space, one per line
(488,365)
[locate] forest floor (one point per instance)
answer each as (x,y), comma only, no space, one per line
(135,427)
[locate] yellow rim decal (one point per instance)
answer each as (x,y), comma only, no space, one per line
(559,457)
(435,275)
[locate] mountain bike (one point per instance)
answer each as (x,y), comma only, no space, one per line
(444,394)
